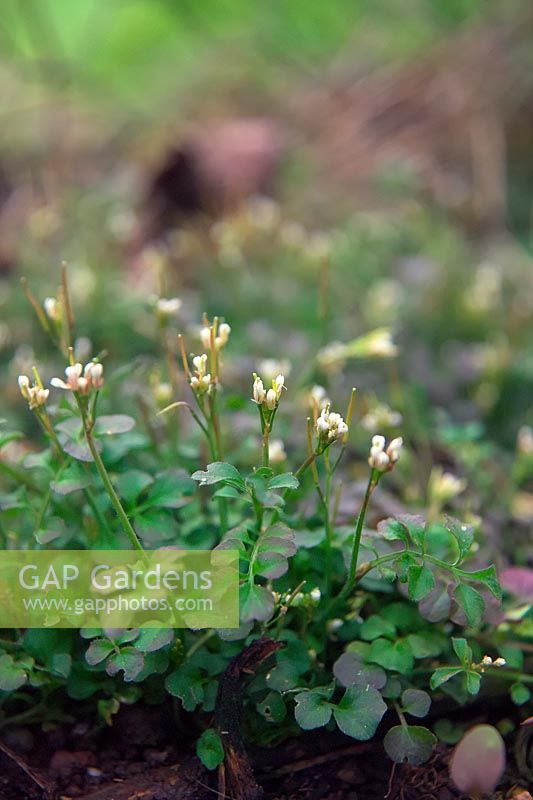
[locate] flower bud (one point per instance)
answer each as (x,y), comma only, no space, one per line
(52,309)
(271,399)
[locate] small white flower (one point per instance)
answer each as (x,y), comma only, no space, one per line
(52,309)
(24,385)
(205,337)
(223,333)
(35,395)
(73,375)
(94,374)
(394,449)
(270,367)
(381,344)
(278,384)
(168,307)
(201,382)
(200,364)
(258,391)
(443,486)
(271,399)
(315,594)
(276,451)
(486,661)
(499,662)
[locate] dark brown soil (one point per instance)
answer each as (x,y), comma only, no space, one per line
(142,757)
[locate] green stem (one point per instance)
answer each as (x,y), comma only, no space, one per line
(328,525)
(352,572)
(216,452)
(106,480)
(266,447)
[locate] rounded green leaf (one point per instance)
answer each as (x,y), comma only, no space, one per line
(359,712)
(416,702)
(313,709)
(410,742)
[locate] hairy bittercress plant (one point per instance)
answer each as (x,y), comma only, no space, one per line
(364,615)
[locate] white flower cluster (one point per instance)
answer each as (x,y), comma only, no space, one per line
(200,382)
(384,459)
(35,395)
(81,379)
(269,398)
(222,335)
(330,427)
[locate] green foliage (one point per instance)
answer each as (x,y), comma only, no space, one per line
(209,749)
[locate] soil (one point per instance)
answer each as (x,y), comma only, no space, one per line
(141,758)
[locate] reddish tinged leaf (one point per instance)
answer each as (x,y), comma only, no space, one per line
(518,581)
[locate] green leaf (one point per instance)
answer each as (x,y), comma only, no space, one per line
(285,481)
(462,650)
(420,582)
(152,639)
(416,702)
(411,742)
(169,489)
(349,669)
(313,709)
(257,602)
(186,683)
(12,676)
(416,527)
(69,482)
(275,546)
(393,530)
(473,682)
(217,472)
(272,708)
(520,694)
(98,650)
(209,749)
(131,484)
(60,664)
(129,661)
(359,712)
(488,577)
(472,603)
(443,674)
(108,425)
(375,626)
(54,529)
(426,645)
(463,534)
(395,656)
